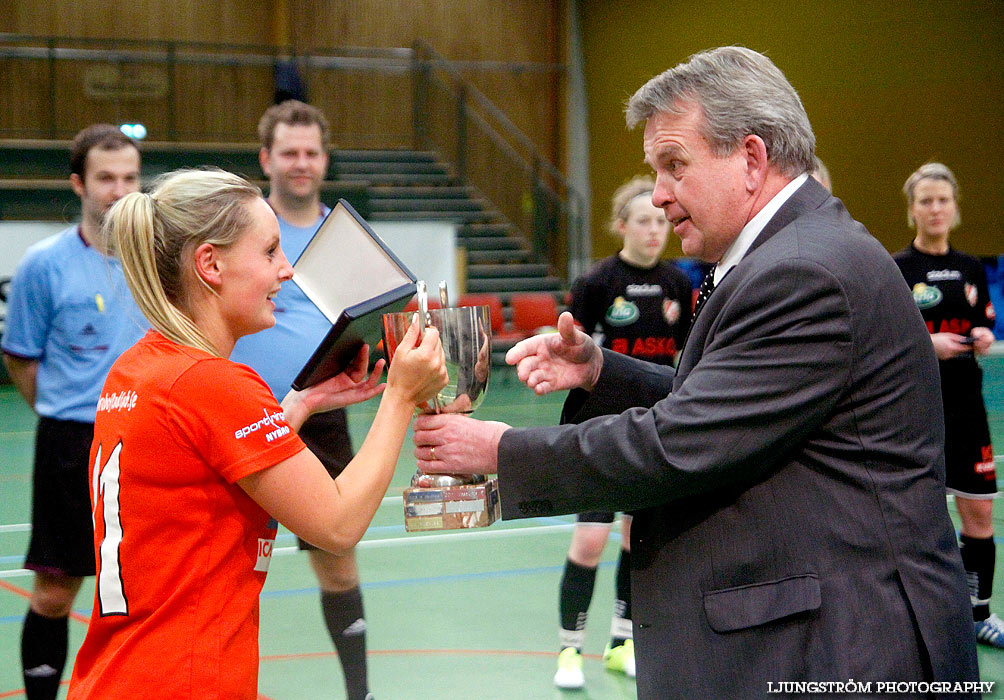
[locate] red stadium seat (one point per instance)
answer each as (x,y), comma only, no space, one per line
(532,311)
(500,334)
(493,303)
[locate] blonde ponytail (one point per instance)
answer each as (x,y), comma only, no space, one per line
(155,236)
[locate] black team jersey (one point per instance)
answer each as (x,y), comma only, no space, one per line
(644,313)
(951,293)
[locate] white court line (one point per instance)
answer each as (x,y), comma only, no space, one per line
(14,573)
(397,541)
(26,527)
(401,541)
(429,539)
(17,527)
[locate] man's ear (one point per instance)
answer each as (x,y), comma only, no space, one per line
(265,161)
(77,183)
(755,152)
(208,264)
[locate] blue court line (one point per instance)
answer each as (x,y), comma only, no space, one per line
(396,583)
(289,537)
(425,580)
(375,585)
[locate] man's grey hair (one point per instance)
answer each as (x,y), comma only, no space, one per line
(741,93)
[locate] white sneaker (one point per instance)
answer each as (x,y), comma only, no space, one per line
(569,675)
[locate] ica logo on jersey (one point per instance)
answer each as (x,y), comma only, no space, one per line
(266,545)
(926,296)
(622,312)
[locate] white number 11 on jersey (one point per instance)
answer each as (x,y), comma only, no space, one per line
(105,487)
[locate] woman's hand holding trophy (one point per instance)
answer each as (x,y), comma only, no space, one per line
(461,499)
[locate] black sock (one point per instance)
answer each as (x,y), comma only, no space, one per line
(576,593)
(43,654)
(978,556)
(622,606)
(343,614)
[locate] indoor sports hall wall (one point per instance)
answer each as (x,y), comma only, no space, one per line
(887,86)
(525,34)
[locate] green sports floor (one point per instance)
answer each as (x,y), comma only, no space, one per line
(451,615)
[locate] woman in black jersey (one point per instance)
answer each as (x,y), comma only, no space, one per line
(950,289)
(642,307)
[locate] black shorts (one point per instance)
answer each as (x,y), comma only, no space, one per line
(327,436)
(969,456)
(62,533)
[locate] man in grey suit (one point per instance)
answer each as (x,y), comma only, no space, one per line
(790,518)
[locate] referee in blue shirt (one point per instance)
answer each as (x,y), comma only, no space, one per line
(69,316)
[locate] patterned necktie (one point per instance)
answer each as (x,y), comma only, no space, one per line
(707,286)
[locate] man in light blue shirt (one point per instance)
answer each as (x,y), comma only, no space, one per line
(294,156)
(69,316)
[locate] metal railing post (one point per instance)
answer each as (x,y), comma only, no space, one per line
(52,88)
(540,217)
(419,96)
(172,126)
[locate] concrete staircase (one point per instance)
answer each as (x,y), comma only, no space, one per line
(416,185)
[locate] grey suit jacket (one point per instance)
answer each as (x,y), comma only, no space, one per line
(788,481)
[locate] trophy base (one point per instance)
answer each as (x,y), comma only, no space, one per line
(451,507)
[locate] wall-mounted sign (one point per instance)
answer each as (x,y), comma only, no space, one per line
(125,81)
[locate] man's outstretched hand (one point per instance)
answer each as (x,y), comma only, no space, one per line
(568,359)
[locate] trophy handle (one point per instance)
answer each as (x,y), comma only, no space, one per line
(423,308)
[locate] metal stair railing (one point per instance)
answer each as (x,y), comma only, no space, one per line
(490,153)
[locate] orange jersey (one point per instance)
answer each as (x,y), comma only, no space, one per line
(182,551)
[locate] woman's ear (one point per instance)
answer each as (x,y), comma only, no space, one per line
(207,264)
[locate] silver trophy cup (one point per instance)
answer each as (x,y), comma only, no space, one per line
(450,501)
(466,334)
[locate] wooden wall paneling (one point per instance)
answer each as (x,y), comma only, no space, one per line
(95,91)
(213,102)
(441,119)
(525,98)
(492,169)
(474,30)
(220,21)
(24,94)
(366,109)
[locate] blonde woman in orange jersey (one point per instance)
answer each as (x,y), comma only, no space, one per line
(193,458)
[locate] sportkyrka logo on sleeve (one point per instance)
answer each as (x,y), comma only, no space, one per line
(277,421)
